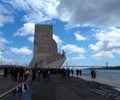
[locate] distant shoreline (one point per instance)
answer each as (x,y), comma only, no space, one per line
(109,68)
(76,67)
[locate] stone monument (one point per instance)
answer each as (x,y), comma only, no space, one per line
(45,47)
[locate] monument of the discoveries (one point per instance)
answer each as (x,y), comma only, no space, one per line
(45,49)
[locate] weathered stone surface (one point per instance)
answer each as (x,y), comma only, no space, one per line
(45,47)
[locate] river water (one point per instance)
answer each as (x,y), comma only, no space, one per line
(112,75)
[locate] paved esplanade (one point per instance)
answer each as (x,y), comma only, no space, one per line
(66,89)
(7,84)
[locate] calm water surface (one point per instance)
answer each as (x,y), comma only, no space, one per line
(113,75)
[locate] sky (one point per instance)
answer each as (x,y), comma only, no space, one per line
(87,30)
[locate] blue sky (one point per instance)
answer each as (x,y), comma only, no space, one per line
(88,30)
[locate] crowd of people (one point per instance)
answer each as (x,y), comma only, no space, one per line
(21,74)
(16,73)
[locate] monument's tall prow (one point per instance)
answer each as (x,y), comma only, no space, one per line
(45,49)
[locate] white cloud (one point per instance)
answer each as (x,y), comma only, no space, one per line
(31,38)
(86,12)
(5,15)
(71,48)
(36,10)
(78,57)
(100,45)
(4,19)
(21,51)
(57,39)
(41,11)
(102,54)
(108,41)
(3,41)
(75,13)
(28,28)
(73,52)
(79,37)
(116,51)
(8,61)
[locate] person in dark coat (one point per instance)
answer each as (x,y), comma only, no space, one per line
(33,74)
(5,73)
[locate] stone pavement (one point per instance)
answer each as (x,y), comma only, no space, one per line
(66,89)
(6,84)
(102,81)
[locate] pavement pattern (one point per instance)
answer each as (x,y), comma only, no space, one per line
(6,84)
(71,88)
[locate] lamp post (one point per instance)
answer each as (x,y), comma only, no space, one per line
(23,60)
(106,64)
(66,64)
(17,60)
(2,51)
(106,59)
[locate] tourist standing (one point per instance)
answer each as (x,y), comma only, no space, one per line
(72,72)
(21,74)
(12,73)
(80,71)
(15,74)
(33,74)
(68,72)
(77,72)
(93,74)
(48,74)
(38,73)
(26,74)
(5,73)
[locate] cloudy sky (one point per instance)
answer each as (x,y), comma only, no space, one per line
(88,30)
